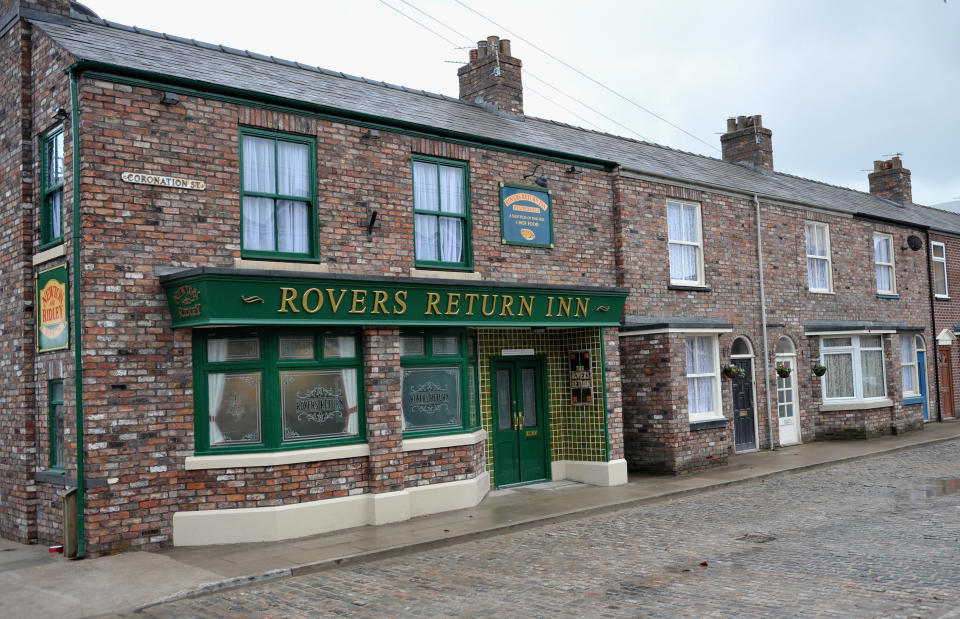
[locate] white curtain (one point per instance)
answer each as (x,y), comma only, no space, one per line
(293,172)
(883,277)
(682,226)
(346,348)
(451,201)
(881,252)
(907,360)
(216,350)
(292,226)
(817,273)
(258,223)
(426,197)
(451,239)
(55,214)
(258,175)
(700,361)
(871,364)
(839,376)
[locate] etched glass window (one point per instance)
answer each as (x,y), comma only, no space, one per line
(431,398)
(234,408)
(296,348)
(318,404)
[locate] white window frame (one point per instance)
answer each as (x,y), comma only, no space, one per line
(854,349)
(891,265)
(940,263)
(698,244)
(909,366)
(715,376)
(828,258)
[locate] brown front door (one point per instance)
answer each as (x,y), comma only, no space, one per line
(946,380)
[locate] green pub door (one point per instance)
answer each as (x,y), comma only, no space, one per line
(521,434)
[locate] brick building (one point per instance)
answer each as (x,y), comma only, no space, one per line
(253,299)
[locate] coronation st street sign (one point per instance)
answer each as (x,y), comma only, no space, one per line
(142,178)
(206,299)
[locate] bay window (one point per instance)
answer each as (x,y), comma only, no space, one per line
(854,368)
(436,388)
(262,390)
(703,397)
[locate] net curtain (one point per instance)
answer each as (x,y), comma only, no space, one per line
(284,171)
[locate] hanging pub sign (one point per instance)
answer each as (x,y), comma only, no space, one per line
(526,216)
(581,378)
(53,328)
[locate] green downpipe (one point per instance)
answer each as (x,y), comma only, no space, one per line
(77,314)
(603,377)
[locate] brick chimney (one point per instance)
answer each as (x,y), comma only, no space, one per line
(746,141)
(33,8)
(492,77)
(890,179)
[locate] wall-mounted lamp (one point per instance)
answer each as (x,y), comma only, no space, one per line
(573,170)
(169,98)
(540,181)
(60,115)
(371,219)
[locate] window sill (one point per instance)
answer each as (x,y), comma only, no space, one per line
(914,399)
(277,264)
(444,440)
(709,424)
(855,405)
(822,292)
(276,458)
(880,295)
(47,255)
(941,297)
(689,287)
(431,274)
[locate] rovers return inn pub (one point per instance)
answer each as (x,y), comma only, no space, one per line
(249,300)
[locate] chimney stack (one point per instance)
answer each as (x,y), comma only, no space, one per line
(492,77)
(746,141)
(890,179)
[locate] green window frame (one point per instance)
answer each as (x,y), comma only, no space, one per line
(52,183)
(432,362)
(263,390)
(441,207)
(56,424)
(278,196)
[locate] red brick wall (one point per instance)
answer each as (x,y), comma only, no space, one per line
(434,466)
(947,312)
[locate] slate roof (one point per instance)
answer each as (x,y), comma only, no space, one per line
(93,39)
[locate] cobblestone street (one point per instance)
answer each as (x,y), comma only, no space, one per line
(875,537)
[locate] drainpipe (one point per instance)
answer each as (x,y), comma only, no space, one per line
(763,323)
(933,332)
(77,314)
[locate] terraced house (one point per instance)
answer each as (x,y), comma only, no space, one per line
(246,299)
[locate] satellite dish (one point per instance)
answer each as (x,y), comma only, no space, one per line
(914,242)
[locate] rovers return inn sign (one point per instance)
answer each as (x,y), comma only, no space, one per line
(217,296)
(53,329)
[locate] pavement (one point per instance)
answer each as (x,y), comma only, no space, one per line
(36,583)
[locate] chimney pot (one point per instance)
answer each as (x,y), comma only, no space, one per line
(473,55)
(731,124)
(890,179)
(482,48)
(492,77)
(505,47)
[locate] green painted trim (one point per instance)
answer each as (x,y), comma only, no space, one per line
(151,79)
(310,142)
(467,263)
(543,371)
(529,188)
(55,464)
(603,379)
(77,312)
(269,366)
(428,360)
(47,239)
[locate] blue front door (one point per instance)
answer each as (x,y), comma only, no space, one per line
(921,370)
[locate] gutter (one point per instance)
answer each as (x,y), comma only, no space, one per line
(763,326)
(77,313)
(933,333)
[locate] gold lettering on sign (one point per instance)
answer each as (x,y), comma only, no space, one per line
(400,301)
(359,299)
(483,305)
(471,299)
(432,300)
(305,300)
(453,303)
(506,307)
(379,298)
(335,304)
(287,297)
(526,305)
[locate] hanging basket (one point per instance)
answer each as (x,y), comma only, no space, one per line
(819,370)
(783,371)
(733,371)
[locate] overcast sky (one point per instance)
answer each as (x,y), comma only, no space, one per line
(840,82)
